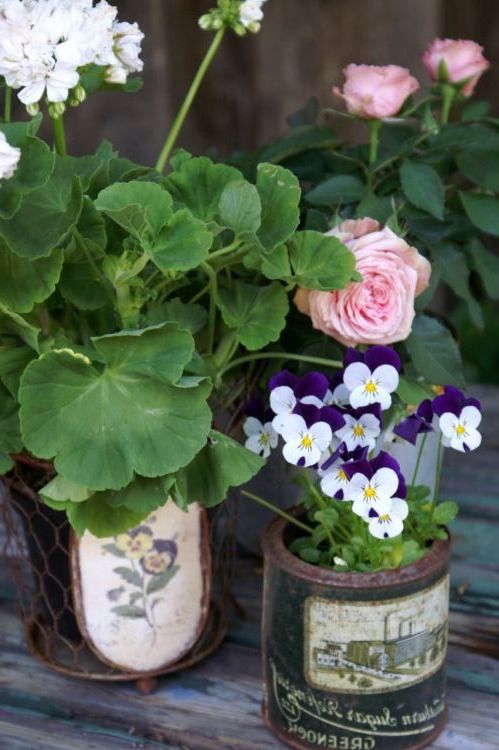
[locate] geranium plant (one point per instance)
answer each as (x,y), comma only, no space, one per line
(128,298)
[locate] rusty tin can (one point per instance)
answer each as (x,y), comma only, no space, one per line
(354,661)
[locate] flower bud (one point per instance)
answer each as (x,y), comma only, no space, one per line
(56,109)
(205,22)
(32,109)
(78,95)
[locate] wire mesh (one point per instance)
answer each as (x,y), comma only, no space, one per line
(37,551)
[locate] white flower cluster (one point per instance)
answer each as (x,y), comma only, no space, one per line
(9,158)
(251,14)
(45,43)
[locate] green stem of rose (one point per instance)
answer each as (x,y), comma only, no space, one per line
(280,355)
(448,95)
(374,128)
(8,104)
(59,135)
(278,511)
(187,103)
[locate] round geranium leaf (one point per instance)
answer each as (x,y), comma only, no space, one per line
(103,425)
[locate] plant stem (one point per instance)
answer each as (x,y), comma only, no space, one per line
(275,509)
(199,294)
(280,355)
(8,104)
(418,460)
(374,127)
(448,94)
(100,277)
(59,135)
(436,491)
(187,103)
(212,315)
(225,250)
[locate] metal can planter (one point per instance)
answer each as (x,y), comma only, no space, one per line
(354,661)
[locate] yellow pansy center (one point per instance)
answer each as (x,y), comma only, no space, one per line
(369,492)
(385,517)
(358,430)
(342,475)
(306,441)
(370,387)
(460,429)
(264,438)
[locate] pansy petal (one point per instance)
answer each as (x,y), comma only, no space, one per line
(282,400)
(386,482)
(273,437)
(356,375)
(254,444)
(400,508)
(283,378)
(376,356)
(448,423)
(292,426)
(471,416)
(386,377)
(296,454)
(312,401)
(312,384)
(472,440)
(385,528)
(252,426)
(322,435)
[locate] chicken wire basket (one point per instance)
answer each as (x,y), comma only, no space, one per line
(37,550)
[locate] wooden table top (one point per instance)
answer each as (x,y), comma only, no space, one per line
(216,705)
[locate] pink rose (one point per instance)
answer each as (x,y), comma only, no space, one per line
(374,92)
(380,308)
(463,60)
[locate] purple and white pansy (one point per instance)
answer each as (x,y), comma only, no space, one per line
(362,427)
(459,418)
(261,437)
(418,423)
(371,377)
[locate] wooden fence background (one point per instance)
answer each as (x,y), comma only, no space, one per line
(258,80)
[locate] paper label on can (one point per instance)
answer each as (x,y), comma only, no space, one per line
(376,646)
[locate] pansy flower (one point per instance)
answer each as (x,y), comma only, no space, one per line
(287,390)
(340,395)
(160,558)
(261,437)
(417,423)
(389,523)
(308,433)
(373,484)
(335,480)
(459,418)
(362,427)
(136,542)
(371,377)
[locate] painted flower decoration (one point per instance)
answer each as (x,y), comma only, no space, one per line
(9,158)
(160,558)
(371,378)
(418,423)
(136,542)
(459,418)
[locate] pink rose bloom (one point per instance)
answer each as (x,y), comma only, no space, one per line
(374,92)
(380,308)
(463,59)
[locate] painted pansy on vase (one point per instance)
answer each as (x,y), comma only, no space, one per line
(150,566)
(130,589)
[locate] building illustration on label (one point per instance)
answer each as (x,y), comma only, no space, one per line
(374,647)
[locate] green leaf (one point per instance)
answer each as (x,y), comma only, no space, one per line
(276,265)
(10,436)
(189,316)
(140,208)
(258,314)
(482,211)
(434,352)
(129,575)
(454,270)
(44,219)
(13,324)
(128,610)
(100,519)
(411,552)
(486,264)
(423,188)
(320,261)
(413,391)
(240,207)
(142,496)
(481,167)
(60,490)
(13,362)
(374,206)
(198,185)
(336,190)
(24,282)
(163,579)
(82,286)
(446,512)
(34,169)
(102,425)
(182,244)
(223,463)
(298,140)
(280,197)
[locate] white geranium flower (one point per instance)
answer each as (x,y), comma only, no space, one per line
(304,445)
(368,387)
(373,494)
(56,82)
(389,524)
(251,14)
(461,432)
(9,158)
(361,432)
(261,438)
(127,46)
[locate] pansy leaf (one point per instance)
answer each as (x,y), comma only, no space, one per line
(140,208)
(482,211)
(240,207)
(280,198)
(423,187)
(44,219)
(198,185)
(445,512)
(130,576)
(182,244)
(258,314)
(434,352)
(160,581)
(24,282)
(320,262)
(223,463)
(102,425)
